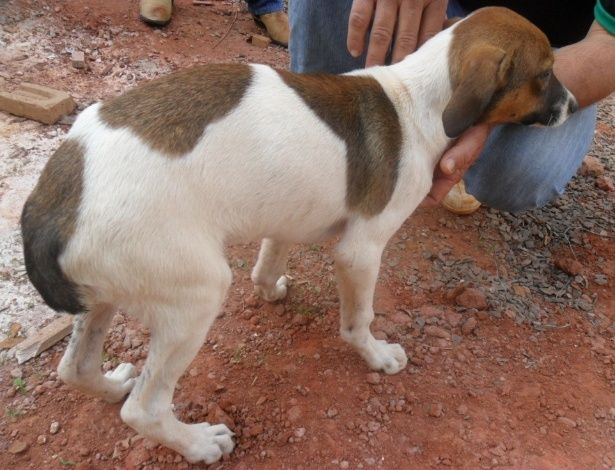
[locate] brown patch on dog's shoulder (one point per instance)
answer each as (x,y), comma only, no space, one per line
(171,113)
(359,111)
(48,222)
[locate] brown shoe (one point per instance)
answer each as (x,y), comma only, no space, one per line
(276,24)
(459,202)
(156,12)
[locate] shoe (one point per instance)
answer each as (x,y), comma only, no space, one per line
(459,202)
(156,12)
(276,24)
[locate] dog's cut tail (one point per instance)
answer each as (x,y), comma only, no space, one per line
(47,223)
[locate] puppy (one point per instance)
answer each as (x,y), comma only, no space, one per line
(135,207)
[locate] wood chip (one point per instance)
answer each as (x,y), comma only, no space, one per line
(44,339)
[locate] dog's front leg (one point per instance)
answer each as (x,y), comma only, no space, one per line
(357,263)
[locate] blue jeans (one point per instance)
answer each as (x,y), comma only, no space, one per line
(263,7)
(520,168)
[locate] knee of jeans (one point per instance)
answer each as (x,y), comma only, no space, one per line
(520,194)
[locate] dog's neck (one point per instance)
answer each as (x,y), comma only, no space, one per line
(420,87)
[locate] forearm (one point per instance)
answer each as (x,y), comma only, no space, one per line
(587,68)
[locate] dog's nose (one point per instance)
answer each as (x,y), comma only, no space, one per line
(572,105)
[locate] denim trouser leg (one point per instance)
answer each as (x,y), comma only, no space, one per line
(263,7)
(520,167)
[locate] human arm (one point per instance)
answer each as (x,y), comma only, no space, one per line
(586,68)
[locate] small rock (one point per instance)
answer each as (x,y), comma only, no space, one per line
(435,410)
(254,430)
(591,166)
(54,428)
(294,413)
(373,378)
(260,41)
(17,447)
(16,373)
(42,439)
(84,451)
(462,410)
(472,298)
(215,414)
(331,413)
(299,432)
(568,265)
(344,464)
(605,183)
(436,331)
(567,421)
(78,59)
(469,326)
(136,458)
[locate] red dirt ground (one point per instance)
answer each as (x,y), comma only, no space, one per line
(503,395)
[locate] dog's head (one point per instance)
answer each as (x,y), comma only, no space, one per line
(501,70)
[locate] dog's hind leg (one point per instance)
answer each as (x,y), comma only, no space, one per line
(268,274)
(80,365)
(357,260)
(178,328)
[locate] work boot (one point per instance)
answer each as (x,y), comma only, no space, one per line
(276,24)
(459,202)
(156,12)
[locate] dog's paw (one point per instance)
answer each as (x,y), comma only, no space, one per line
(119,382)
(389,358)
(277,292)
(209,442)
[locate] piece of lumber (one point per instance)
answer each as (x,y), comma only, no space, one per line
(44,338)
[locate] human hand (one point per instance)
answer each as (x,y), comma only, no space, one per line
(455,162)
(416,22)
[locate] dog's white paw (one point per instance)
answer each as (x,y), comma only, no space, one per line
(278,292)
(119,382)
(209,442)
(380,355)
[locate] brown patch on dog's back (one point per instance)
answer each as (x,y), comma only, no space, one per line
(171,113)
(358,110)
(48,222)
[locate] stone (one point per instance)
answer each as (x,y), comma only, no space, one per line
(469,326)
(37,102)
(42,439)
(136,458)
(77,58)
(16,373)
(472,298)
(605,183)
(260,41)
(294,413)
(591,166)
(373,378)
(568,265)
(17,447)
(567,422)
(54,428)
(435,410)
(436,331)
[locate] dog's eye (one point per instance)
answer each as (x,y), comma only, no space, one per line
(546,75)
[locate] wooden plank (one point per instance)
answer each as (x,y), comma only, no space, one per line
(44,338)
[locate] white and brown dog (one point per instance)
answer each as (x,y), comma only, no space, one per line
(135,207)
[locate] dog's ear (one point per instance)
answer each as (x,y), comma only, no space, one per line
(485,69)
